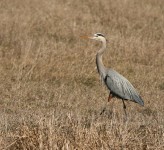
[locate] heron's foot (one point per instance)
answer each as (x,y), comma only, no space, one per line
(104,109)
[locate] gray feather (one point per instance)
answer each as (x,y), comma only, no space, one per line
(121,87)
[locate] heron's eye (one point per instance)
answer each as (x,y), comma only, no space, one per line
(99,34)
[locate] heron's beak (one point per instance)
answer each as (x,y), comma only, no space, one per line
(85,37)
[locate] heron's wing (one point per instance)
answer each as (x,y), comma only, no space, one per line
(121,87)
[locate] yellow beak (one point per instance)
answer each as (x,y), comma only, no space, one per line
(85,37)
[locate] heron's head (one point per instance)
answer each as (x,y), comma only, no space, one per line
(96,36)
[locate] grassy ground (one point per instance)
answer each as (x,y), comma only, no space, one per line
(50,93)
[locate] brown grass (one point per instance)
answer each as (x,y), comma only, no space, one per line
(50,94)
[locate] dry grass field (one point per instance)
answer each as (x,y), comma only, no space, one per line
(50,92)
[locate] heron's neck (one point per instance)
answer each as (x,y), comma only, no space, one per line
(100,66)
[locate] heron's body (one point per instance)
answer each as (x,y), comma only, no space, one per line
(118,85)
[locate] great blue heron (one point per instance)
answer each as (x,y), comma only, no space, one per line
(118,85)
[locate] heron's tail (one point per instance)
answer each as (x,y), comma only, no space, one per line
(138,100)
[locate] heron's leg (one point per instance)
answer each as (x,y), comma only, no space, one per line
(109,99)
(124,107)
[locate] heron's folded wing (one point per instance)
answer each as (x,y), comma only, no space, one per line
(121,87)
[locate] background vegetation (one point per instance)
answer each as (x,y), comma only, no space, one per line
(50,93)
